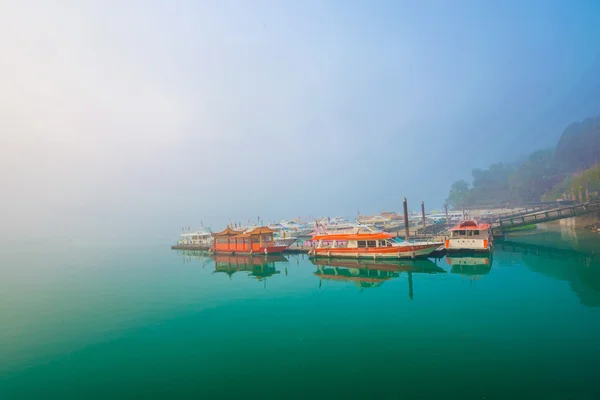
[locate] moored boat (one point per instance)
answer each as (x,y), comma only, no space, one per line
(369,245)
(469,235)
(199,238)
(259,240)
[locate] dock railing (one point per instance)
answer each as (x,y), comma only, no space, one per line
(550,215)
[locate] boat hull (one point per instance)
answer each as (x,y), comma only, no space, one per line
(468,245)
(392,252)
(287,242)
(259,251)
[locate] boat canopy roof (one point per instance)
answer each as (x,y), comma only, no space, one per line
(227,232)
(470,225)
(355,236)
(261,230)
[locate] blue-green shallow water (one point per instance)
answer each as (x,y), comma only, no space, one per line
(148,322)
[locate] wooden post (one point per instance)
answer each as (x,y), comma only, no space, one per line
(405,205)
(423,214)
(410,286)
(447,220)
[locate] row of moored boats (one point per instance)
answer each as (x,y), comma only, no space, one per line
(337,238)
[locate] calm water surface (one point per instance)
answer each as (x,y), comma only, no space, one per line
(148,322)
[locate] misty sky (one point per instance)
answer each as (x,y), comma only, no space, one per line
(129,119)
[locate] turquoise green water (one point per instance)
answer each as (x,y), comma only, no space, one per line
(148,322)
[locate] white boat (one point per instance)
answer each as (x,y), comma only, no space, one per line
(338,225)
(287,242)
(201,237)
(469,235)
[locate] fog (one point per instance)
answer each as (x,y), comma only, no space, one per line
(126,120)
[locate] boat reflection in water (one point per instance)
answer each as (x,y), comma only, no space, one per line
(257,266)
(470,265)
(371,273)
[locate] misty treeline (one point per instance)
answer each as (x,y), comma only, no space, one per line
(568,171)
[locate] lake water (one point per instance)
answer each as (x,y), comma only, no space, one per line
(148,322)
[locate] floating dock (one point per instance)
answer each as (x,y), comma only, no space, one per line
(190,247)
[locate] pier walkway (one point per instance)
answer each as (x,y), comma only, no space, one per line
(531,216)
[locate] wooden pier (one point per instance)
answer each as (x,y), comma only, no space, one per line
(547,215)
(190,247)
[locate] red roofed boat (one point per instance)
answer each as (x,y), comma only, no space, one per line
(369,245)
(257,241)
(469,236)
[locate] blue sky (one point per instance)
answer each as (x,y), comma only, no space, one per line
(130,117)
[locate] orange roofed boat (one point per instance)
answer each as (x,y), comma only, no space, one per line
(369,245)
(469,236)
(257,241)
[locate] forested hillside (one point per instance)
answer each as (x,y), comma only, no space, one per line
(567,171)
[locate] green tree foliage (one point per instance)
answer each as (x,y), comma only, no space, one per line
(579,146)
(491,186)
(544,175)
(586,185)
(459,193)
(534,177)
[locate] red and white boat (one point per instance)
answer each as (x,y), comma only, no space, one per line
(369,245)
(259,240)
(469,235)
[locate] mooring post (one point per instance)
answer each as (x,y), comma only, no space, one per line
(410,286)
(423,214)
(447,220)
(405,205)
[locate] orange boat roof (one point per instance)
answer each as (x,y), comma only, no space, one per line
(470,225)
(227,232)
(261,230)
(355,236)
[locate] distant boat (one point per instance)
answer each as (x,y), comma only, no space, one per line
(198,238)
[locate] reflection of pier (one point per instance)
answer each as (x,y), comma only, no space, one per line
(539,250)
(474,266)
(580,270)
(257,266)
(370,273)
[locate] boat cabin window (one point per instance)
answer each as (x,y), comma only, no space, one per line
(255,239)
(372,243)
(475,233)
(462,233)
(362,244)
(383,243)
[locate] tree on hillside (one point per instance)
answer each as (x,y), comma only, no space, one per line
(459,193)
(579,146)
(534,177)
(491,186)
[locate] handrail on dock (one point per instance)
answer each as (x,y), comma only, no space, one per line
(548,215)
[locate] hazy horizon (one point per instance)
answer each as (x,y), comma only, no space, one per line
(132,119)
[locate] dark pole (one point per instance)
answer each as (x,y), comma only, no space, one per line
(405,205)
(447,220)
(423,214)
(410,286)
